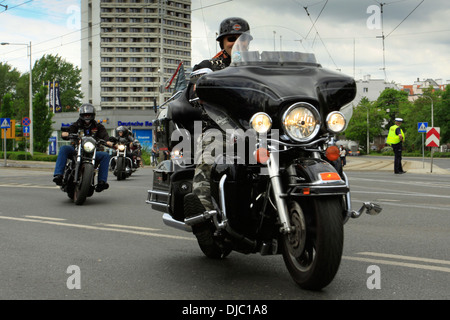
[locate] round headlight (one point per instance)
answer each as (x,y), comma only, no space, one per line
(301,122)
(336,122)
(261,122)
(88,146)
(121,147)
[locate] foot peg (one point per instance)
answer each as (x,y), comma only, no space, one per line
(369,207)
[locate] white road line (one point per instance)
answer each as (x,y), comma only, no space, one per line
(81,226)
(396,256)
(45,218)
(127,227)
(27,186)
(401,263)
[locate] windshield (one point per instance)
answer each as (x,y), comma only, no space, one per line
(250,49)
(275,45)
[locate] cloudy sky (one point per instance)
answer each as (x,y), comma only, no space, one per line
(344,34)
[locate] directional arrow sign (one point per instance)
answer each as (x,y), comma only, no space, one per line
(433,136)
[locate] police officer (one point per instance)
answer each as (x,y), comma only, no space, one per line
(395,138)
(199,200)
(86,123)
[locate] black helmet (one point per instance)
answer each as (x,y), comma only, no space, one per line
(87,113)
(231,26)
(123,129)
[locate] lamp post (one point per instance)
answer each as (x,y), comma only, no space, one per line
(30,90)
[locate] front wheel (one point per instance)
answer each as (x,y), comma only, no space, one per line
(84,183)
(312,253)
(121,168)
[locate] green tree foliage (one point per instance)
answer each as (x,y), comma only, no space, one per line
(7,112)
(8,79)
(42,120)
(366,116)
(392,101)
(54,68)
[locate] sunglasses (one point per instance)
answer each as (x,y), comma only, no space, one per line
(231,38)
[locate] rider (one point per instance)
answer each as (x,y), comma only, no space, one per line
(200,199)
(86,123)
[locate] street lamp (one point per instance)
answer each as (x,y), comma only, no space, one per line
(30,90)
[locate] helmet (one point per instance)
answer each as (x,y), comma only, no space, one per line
(87,113)
(230,26)
(123,129)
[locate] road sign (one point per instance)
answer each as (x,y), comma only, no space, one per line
(5,123)
(26,131)
(26,121)
(422,127)
(11,131)
(433,136)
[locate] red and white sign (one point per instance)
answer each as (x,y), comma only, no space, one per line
(433,136)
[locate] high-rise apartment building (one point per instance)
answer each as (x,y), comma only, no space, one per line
(130,48)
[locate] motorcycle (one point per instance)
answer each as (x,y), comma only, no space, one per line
(121,164)
(80,170)
(287,193)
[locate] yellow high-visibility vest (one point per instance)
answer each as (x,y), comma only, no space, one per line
(393,138)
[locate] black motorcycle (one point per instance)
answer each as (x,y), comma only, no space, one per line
(80,170)
(121,164)
(287,193)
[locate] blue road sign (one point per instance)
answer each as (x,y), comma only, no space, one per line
(422,127)
(5,123)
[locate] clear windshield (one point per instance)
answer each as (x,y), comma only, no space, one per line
(254,48)
(278,45)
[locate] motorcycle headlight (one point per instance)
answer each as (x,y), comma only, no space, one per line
(336,122)
(121,147)
(261,122)
(88,146)
(301,122)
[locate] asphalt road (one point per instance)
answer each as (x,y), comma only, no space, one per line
(116,247)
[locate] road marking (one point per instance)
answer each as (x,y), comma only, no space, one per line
(396,256)
(82,226)
(46,218)
(400,263)
(127,227)
(27,186)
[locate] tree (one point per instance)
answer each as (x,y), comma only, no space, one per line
(366,116)
(54,68)
(7,112)
(392,101)
(8,79)
(42,120)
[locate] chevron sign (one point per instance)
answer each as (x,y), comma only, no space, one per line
(433,136)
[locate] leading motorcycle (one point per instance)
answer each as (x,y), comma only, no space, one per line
(80,170)
(286,193)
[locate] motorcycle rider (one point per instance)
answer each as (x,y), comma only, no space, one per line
(200,199)
(123,136)
(86,123)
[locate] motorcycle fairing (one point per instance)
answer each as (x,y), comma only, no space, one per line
(248,89)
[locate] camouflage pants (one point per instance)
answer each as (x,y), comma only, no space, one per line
(209,146)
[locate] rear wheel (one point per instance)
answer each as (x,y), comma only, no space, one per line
(312,253)
(83,186)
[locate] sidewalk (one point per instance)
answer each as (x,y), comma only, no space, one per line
(363,163)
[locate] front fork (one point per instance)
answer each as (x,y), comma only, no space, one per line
(273,168)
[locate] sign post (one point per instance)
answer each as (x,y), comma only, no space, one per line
(26,132)
(5,123)
(433,136)
(422,128)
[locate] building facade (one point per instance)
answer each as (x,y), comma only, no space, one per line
(130,48)
(129,51)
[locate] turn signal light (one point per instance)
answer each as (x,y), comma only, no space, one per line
(332,153)
(262,155)
(330,176)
